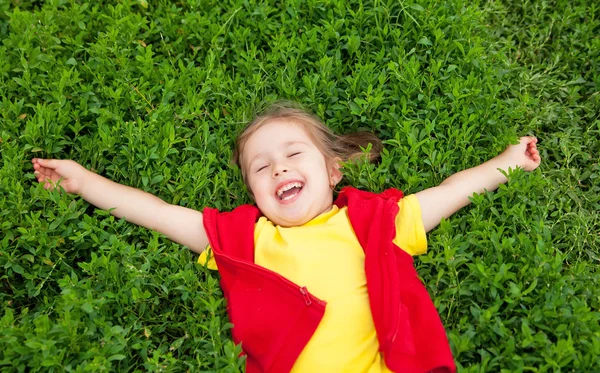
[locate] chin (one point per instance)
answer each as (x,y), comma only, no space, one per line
(291,221)
(289,218)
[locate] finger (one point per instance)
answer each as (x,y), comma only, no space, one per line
(528,140)
(525,140)
(41,178)
(43,174)
(55,176)
(48,163)
(44,171)
(38,168)
(532,150)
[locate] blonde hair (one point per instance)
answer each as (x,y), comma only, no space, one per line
(345,147)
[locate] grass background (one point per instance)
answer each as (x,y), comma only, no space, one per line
(152,93)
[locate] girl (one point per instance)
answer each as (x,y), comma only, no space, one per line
(312,284)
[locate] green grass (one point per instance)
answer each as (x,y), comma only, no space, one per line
(152,95)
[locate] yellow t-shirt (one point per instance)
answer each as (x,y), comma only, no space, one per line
(325,256)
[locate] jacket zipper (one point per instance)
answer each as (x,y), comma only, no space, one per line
(308,297)
(304,292)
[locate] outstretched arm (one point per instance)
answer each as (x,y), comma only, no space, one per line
(454,192)
(180,224)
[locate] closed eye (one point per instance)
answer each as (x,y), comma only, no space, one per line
(262,168)
(294,154)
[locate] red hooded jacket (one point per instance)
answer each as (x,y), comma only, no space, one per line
(274,318)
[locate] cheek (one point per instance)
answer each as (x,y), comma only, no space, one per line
(258,186)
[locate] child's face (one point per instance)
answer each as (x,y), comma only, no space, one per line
(288,175)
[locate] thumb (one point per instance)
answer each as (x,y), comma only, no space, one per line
(528,140)
(48,163)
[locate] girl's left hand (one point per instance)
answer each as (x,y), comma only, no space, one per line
(525,154)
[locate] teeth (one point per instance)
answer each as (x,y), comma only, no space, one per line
(288,197)
(287,187)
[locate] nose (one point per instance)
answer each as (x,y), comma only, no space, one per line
(279,170)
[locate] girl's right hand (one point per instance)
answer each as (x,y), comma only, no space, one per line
(50,171)
(180,224)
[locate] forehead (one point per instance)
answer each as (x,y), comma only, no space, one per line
(274,135)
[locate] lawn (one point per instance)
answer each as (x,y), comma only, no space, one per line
(152,94)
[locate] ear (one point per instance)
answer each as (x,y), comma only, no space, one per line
(335,174)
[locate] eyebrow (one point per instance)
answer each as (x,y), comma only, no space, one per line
(286,144)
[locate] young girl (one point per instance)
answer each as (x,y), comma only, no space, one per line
(312,284)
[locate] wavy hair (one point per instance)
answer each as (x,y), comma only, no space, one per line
(346,147)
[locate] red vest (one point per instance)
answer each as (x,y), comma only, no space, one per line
(274,318)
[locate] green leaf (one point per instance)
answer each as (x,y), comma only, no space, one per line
(54,224)
(156,179)
(87,307)
(425,41)
(354,108)
(20,82)
(17,268)
(531,287)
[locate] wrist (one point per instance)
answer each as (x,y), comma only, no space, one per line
(506,161)
(83,180)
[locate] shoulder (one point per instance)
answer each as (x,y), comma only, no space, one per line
(239,215)
(242,209)
(232,232)
(350,195)
(410,232)
(410,202)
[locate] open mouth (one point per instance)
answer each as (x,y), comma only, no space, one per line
(289,190)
